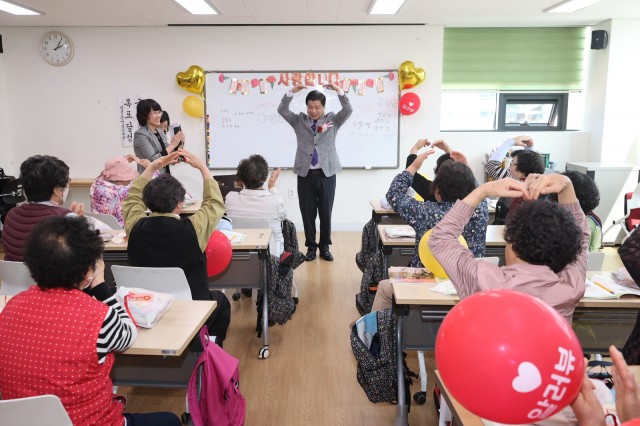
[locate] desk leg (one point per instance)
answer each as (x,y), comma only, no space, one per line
(445,415)
(264,351)
(386,252)
(402,412)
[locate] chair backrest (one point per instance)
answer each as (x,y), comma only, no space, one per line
(14,278)
(493,259)
(34,411)
(108,220)
(163,280)
(595,261)
(242,222)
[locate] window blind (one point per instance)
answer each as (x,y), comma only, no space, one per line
(513,58)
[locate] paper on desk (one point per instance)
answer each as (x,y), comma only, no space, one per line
(402,231)
(234,237)
(445,287)
(118,238)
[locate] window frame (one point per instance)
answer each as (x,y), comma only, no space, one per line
(560,103)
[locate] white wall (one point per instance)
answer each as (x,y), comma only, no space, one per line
(71,112)
(6,158)
(613,90)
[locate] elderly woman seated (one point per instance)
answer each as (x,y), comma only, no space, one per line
(110,189)
(255,201)
(45,181)
(58,337)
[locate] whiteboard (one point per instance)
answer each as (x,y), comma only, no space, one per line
(247,122)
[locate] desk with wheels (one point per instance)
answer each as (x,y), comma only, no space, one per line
(420,311)
(248,269)
(398,251)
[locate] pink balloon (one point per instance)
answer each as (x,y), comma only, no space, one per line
(509,357)
(409,103)
(218,253)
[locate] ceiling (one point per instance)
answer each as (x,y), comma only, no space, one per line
(455,13)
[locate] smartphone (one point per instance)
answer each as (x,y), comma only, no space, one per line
(177,129)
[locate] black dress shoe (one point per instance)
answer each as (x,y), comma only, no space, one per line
(311,255)
(326,255)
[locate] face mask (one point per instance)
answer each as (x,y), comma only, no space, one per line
(65,192)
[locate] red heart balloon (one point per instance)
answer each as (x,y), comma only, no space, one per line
(509,357)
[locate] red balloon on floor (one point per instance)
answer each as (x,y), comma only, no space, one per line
(509,357)
(218,253)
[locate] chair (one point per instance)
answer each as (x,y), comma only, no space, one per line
(107,219)
(14,278)
(631,217)
(595,261)
(492,259)
(34,411)
(163,280)
(243,222)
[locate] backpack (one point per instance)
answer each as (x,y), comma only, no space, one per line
(280,301)
(291,243)
(219,402)
(376,363)
(370,262)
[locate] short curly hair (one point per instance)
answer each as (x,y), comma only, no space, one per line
(528,162)
(542,232)
(41,174)
(586,190)
(253,171)
(144,107)
(163,194)
(60,251)
(454,181)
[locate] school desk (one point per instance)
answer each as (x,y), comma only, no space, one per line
(452,411)
(248,269)
(420,312)
(159,356)
(398,251)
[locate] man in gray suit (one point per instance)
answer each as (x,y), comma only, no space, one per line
(316,162)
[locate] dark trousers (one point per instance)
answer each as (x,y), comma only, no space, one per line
(316,193)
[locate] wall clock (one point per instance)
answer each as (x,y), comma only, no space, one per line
(56,48)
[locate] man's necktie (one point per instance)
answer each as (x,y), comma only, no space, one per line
(314,158)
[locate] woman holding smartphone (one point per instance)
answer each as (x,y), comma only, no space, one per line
(149,141)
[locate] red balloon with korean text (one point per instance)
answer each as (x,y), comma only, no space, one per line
(409,103)
(509,357)
(218,253)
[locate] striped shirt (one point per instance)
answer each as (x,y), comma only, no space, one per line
(118,331)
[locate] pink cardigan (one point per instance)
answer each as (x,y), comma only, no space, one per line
(562,291)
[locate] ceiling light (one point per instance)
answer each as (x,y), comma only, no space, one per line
(385,7)
(17,10)
(569,6)
(198,7)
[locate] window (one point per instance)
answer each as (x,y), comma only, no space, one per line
(469,110)
(532,111)
(512,78)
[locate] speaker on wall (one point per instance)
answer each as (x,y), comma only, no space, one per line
(599,39)
(1,51)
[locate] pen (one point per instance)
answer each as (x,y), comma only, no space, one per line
(602,286)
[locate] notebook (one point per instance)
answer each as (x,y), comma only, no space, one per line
(602,287)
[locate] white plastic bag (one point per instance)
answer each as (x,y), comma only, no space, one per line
(146,306)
